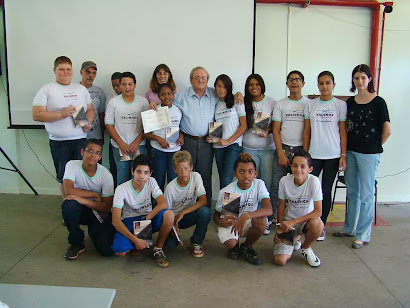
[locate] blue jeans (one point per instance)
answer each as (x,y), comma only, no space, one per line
(278,172)
(64,151)
(161,165)
(124,167)
(360,178)
(101,234)
(200,218)
(225,160)
(264,164)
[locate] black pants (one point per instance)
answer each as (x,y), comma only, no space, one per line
(330,168)
(101,234)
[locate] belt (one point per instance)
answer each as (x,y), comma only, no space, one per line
(194,137)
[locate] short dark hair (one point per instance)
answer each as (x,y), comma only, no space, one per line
(142,160)
(165,85)
(93,141)
(326,73)
(303,153)
(363,68)
(244,158)
(116,75)
(296,72)
(128,75)
(62,59)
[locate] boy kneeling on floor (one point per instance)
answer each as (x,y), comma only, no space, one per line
(132,202)
(301,193)
(251,221)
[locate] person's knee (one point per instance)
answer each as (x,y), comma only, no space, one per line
(168,217)
(280,259)
(315,226)
(259,223)
(231,243)
(204,213)
(121,254)
(69,206)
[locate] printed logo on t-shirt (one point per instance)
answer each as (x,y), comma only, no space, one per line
(70,96)
(144,207)
(223,114)
(295,115)
(246,206)
(299,203)
(325,115)
(129,117)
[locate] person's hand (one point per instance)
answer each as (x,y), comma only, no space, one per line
(262,133)
(74,197)
(209,139)
(342,163)
(180,140)
(152,106)
(68,111)
(140,244)
(239,98)
(87,127)
(162,142)
(227,221)
(124,148)
(287,225)
(134,147)
(283,161)
(276,239)
(178,218)
(176,230)
(223,142)
(238,227)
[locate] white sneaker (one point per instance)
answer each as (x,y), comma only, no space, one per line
(310,256)
(268,227)
(297,246)
(322,235)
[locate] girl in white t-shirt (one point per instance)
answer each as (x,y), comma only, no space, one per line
(233,119)
(325,137)
(124,125)
(258,139)
(166,141)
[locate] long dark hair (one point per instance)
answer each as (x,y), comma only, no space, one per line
(248,98)
(153,84)
(363,68)
(229,100)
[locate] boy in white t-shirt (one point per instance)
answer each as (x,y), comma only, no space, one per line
(186,196)
(54,104)
(90,189)
(132,202)
(301,194)
(251,221)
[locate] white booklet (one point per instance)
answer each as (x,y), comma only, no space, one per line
(261,123)
(172,136)
(143,230)
(155,119)
(79,116)
(215,131)
(231,204)
(125,157)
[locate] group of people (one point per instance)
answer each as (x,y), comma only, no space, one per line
(262,141)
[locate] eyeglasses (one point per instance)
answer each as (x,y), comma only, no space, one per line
(295,79)
(91,152)
(198,78)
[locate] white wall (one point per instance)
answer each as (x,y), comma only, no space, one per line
(394,88)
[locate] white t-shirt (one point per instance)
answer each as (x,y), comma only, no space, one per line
(251,140)
(126,117)
(250,197)
(55,97)
(98,101)
(101,183)
(324,127)
(175,115)
(291,115)
(229,117)
(179,198)
(135,203)
(299,200)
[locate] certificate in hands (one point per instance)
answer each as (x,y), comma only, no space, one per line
(155,119)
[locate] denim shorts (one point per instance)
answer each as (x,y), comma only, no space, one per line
(63,151)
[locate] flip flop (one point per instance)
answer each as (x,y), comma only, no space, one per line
(341,234)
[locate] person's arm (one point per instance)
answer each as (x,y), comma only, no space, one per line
(386,131)
(200,202)
(239,132)
(316,213)
(266,210)
(343,145)
(102,205)
(133,147)
(114,135)
(71,190)
(180,140)
(161,205)
(282,159)
(306,135)
(41,114)
(89,114)
(238,98)
(162,142)
(120,227)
